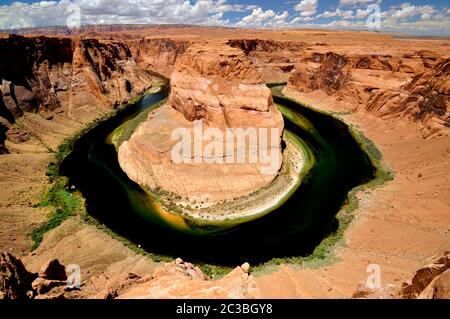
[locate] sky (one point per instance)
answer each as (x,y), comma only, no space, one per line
(416,17)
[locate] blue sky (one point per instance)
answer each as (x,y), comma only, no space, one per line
(421,17)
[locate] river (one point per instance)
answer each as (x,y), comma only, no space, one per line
(294,229)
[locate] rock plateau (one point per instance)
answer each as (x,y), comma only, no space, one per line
(219,86)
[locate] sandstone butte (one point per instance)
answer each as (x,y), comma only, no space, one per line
(220,86)
(395,90)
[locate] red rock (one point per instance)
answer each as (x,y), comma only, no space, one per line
(15,280)
(53,270)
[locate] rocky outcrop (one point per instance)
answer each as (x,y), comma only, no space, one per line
(273,59)
(439,288)
(220,86)
(431,281)
(331,76)
(158,54)
(426,97)
(53,270)
(49,74)
(182,280)
(15,280)
(412,84)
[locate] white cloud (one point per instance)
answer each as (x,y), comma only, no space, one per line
(306,7)
(355,2)
(361,14)
(345,14)
(407,10)
(20,14)
(404,17)
(425,16)
(261,18)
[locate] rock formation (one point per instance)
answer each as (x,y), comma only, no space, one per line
(76,76)
(431,281)
(158,54)
(273,59)
(182,280)
(426,97)
(331,76)
(390,78)
(414,85)
(219,86)
(15,280)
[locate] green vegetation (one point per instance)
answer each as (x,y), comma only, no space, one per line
(214,271)
(59,196)
(123,132)
(64,203)
(324,252)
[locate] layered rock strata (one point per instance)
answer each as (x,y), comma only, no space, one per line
(413,84)
(158,54)
(215,87)
(273,59)
(80,77)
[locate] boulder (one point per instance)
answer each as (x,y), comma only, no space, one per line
(43,286)
(15,280)
(53,270)
(425,277)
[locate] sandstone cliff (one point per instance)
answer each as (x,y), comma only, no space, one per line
(158,54)
(75,76)
(426,98)
(273,59)
(221,87)
(219,84)
(412,84)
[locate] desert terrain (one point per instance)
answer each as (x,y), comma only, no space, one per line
(393,90)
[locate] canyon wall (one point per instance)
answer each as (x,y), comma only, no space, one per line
(273,59)
(159,54)
(48,74)
(220,86)
(413,84)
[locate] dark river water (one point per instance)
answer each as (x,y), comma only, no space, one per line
(294,229)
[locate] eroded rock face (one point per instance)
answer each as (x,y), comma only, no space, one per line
(217,83)
(429,281)
(15,280)
(219,86)
(159,54)
(273,59)
(53,270)
(332,76)
(413,84)
(426,97)
(182,280)
(76,76)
